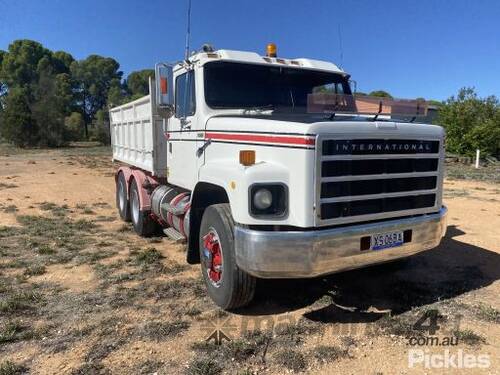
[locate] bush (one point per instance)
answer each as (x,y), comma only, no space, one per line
(74,126)
(99,131)
(17,123)
(471,123)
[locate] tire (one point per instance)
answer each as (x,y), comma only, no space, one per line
(122,202)
(234,287)
(144,225)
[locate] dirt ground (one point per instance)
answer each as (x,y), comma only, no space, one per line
(80,293)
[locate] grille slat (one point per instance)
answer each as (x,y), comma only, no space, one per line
(377,166)
(352,198)
(361,179)
(381,186)
(375,206)
(376,176)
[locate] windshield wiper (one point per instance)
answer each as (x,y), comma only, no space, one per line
(260,108)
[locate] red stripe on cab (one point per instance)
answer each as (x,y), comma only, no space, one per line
(262,138)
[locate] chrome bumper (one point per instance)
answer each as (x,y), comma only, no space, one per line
(299,254)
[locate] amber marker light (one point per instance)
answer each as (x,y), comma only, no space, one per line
(271,50)
(163,85)
(247,157)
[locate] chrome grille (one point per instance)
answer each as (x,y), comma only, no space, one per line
(369,179)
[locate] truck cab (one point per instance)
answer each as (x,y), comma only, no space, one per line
(272,168)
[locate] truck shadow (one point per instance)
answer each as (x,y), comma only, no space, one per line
(367,294)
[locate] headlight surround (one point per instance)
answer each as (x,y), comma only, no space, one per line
(268,200)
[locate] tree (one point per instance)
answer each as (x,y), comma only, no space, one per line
(381,94)
(73,125)
(50,105)
(18,125)
(94,76)
(19,65)
(3,85)
(471,123)
(138,82)
(100,128)
(62,61)
(42,88)
(435,103)
(117,94)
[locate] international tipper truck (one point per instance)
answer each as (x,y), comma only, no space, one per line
(271,168)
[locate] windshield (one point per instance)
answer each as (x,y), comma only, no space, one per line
(250,86)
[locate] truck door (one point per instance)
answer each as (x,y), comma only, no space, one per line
(182,133)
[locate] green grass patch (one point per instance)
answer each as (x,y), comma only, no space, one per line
(469,337)
(45,250)
(163,330)
(8,231)
(19,301)
(54,208)
(396,325)
(13,331)
(328,353)
(35,270)
(148,256)
(291,359)
(11,368)
(125,228)
(487,313)
(204,366)
(10,209)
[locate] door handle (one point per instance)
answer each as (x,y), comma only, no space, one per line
(201,150)
(185,124)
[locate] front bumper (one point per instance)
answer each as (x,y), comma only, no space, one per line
(300,254)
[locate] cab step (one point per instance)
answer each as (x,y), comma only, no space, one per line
(174,235)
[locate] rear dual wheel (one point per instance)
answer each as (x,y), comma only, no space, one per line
(144,224)
(122,202)
(129,208)
(227,285)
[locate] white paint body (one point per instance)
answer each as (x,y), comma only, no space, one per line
(138,138)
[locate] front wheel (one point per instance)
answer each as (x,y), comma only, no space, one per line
(227,285)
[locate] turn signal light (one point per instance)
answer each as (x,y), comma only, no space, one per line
(271,50)
(163,85)
(247,157)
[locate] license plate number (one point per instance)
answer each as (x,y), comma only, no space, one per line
(385,240)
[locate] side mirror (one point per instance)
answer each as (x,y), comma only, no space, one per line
(354,86)
(164,86)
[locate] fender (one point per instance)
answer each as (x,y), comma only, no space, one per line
(143,180)
(236,179)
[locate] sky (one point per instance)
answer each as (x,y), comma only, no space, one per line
(411,49)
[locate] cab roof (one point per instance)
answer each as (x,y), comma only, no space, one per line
(254,58)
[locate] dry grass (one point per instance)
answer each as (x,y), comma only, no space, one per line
(73,278)
(459,171)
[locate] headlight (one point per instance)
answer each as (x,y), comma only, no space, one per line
(262,199)
(268,200)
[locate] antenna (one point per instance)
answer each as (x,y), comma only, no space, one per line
(341,48)
(188,33)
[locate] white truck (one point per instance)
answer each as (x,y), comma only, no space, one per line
(270,168)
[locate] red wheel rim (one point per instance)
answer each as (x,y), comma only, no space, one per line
(213,256)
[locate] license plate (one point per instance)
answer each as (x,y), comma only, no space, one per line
(385,240)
